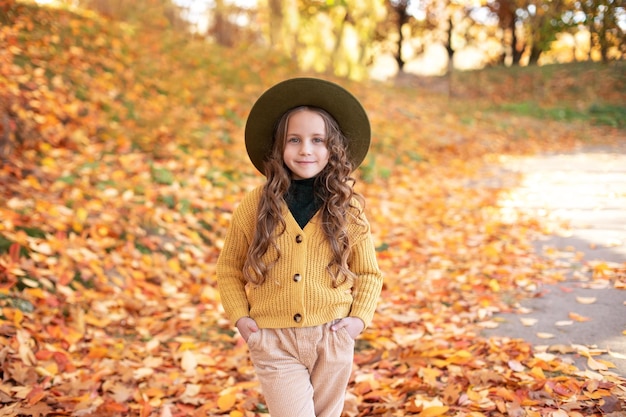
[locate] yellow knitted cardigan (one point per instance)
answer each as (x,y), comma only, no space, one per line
(298,291)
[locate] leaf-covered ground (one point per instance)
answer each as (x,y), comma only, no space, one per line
(123,158)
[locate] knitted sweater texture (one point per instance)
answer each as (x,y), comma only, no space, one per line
(298,290)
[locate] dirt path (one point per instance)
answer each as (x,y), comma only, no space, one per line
(586,190)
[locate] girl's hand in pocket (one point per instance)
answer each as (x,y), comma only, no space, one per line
(246,326)
(353,325)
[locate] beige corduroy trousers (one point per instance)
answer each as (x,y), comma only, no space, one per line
(303,372)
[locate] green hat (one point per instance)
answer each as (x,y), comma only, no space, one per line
(336,100)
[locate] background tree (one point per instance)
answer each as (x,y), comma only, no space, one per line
(275,22)
(543,20)
(400,17)
(346,37)
(222,30)
(506,13)
(337,36)
(150,13)
(601,20)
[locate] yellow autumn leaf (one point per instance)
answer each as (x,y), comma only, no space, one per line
(174,265)
(18,317)
(35,292)
(434,411)
(51,369)
(494,285)
(537,373)
(48,162)
(595,365)
(227,400)
(461,357)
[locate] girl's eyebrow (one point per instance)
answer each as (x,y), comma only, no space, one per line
(289,133)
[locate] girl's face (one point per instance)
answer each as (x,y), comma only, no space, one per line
(306,152)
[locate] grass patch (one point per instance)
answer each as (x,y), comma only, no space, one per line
(597,114)
(611,115)
(587,92)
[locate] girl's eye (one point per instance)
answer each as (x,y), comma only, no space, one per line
(293,140)
(319,140)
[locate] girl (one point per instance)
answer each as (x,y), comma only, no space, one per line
(298,274)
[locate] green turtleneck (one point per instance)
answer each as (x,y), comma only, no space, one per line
(302,201)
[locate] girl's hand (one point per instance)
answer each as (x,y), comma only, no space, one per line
(246,326)
(353,325)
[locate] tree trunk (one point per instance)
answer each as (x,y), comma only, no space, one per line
(515,50)
(535,53)
(338,32)
(403,18)
(449,45)
(276,22)
(221,27)
(602,38)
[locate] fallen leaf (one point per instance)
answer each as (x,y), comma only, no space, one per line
(434,411)
(617,355)
(562,349)
(38,410)
(578,317)
(189,362)
(528,322)
(586,300)
(516,366)
(227,400)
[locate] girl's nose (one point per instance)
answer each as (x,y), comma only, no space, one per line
(305,148)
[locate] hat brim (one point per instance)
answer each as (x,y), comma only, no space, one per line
(336,100)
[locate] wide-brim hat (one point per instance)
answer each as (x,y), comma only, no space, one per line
(336,100)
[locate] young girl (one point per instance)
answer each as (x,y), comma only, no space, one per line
(298,274)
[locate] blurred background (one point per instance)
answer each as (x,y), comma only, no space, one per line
(379,39)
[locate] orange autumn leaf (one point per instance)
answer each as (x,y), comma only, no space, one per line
(578,317)
(35,395)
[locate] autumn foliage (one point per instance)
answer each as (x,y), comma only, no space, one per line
(122,160)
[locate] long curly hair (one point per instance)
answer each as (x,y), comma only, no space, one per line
(334,186)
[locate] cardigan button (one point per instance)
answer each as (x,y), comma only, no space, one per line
(297,277)
(297,318)
(299,239)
